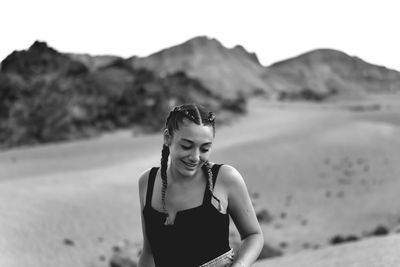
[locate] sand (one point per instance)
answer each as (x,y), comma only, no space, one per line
(371,252)
(318,170)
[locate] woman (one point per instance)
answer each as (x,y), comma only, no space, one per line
(186,202)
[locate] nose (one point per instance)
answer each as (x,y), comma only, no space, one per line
(195,155)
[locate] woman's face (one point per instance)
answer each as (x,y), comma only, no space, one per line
(190,147)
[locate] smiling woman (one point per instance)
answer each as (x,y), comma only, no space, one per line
(185,222)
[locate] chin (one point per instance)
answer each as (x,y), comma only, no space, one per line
(188,172)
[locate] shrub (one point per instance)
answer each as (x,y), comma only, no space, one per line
(264,216)
(269,252)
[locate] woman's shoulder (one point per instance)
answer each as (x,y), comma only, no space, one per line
(143,180)
(144,177)
(229,176)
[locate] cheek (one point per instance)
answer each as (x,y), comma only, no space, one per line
(177,152)
(205,156)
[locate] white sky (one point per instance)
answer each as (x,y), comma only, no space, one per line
(273,29)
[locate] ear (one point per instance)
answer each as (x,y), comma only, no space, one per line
(167,137)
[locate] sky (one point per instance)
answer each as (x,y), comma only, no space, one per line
(273,29)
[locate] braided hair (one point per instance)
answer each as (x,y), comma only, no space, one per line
(196,114)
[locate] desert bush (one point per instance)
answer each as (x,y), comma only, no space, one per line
(362,108)
(125,254)
(307,94)
(237,105)
(264,216)
(269,252)
(120,260)
(283,244)
(380,230)
(68,242)
(338,239)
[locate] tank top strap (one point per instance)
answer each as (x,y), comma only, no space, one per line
(214,170)
(150,185)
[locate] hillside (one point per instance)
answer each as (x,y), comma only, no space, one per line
(328,72)
(48,96)
(316,75)
(225,71)
(94,63)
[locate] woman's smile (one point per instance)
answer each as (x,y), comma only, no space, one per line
(189,165)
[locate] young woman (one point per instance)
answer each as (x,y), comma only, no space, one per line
(186,203)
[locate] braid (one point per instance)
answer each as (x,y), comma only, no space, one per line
(164,166)
(207,170)
(210,183)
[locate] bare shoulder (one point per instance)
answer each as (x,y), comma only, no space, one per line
(230,177)
(234,188)
(143,179)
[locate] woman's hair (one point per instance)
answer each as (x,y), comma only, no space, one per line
(196,114)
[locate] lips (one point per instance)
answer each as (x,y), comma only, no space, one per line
(190,165)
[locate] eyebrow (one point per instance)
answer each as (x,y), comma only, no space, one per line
(190,141)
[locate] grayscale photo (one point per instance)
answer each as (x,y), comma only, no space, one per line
(199,133)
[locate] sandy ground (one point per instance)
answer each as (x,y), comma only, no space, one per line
(317,170)
(371,252)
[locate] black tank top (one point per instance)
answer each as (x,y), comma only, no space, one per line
(197,236)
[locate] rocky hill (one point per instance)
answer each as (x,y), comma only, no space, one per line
(225,71)
(94,63)
(47,96)
(315,75)
(325,73)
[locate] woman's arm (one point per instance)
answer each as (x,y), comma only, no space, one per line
(146,257)
(242,212)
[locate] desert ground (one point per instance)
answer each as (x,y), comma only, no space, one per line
(314,171)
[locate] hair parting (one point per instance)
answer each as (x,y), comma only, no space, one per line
(198,115)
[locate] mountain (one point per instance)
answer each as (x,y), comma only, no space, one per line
(39,59)
(315,75)
(48,96)
(225,71)
(327,72)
